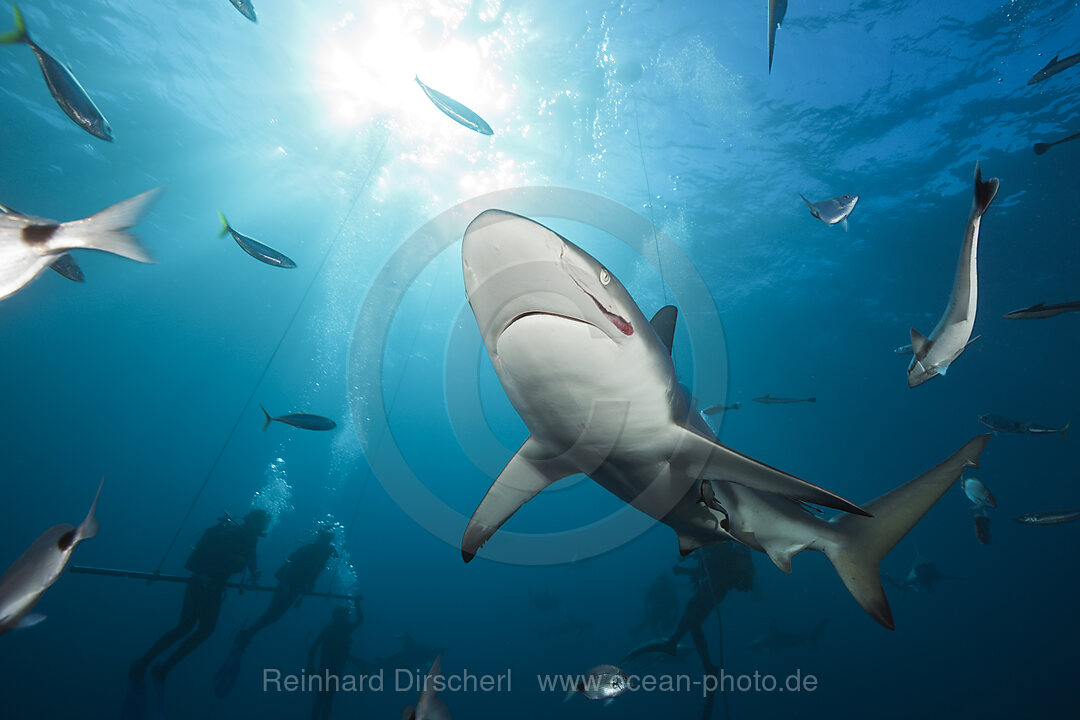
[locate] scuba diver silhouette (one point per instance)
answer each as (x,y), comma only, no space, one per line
(223,550)
(721,568)
(336,641)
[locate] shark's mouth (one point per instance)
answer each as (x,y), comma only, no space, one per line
(621,324)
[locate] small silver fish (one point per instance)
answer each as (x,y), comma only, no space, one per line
(603,682)
(721,408)
(28,245)
(1048,518)
(254,248)
(903,350)
(246,9)
(768,399)
(22,585)
(1054,67)
(65,89)
(456,111)
(978,493)
(833,210)
(304,421)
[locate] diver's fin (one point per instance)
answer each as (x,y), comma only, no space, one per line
(862,543)
(984,193)
(89,526)
(224,225)
(267,421)
(707,459)
(920,344)
(19,34)
(105,230)
(663,322)
(527,473)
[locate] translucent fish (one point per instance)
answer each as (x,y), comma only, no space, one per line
(456,111)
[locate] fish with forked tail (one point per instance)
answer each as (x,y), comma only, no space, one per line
(1041,310)
(304,421)
(834,210)
(254,248)
(998,423)
(768,399)
(65,89)
(245,8)
(1054,67)
(934,354)
(456,111)
(1041,148)
(1048,518)
(28,245)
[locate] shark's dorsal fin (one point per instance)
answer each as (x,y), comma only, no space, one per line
(920,344)
(1037,305)
(663,322)
(528,472)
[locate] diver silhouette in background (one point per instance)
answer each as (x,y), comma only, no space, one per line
(336,641)
(721,568)
(295,577)
(223,550)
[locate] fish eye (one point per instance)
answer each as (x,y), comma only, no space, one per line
(605,278)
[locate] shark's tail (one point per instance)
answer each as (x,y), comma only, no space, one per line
(19,34)
(984,193)
(862,542)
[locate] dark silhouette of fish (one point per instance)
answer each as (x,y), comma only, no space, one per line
(776,639)
(721,408)
(65,89)
(1048,518)
(982,529)
(1054,67)
(770,400)
(246,8)
(997,423)
(304,421)
(64,264)
(1042,310)
(456,111)
(777,10)
(1040,148)
(254,248)
(544,600)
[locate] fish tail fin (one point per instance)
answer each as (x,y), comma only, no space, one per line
(984,192)
(808,203)
(224,225)
(1040,148)
(19,34)
(89,526)
(813,399)
(1065,431)
(106,230)
(266,422)
(863,542)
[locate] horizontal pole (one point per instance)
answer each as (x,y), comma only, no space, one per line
(153,577)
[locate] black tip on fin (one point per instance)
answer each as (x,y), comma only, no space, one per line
(984,191)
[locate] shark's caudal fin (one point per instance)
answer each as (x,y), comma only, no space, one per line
(984,193)
(19,34)
(106,230)
(864,542)
(663,322)
(89,527)
(527,473)
(709,460)
(430,706)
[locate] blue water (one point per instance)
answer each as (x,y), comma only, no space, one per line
(308,131)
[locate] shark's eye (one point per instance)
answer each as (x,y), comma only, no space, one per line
(604,277)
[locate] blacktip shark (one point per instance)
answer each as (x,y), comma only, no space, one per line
(28,245)
(834,210)
(23,584)
(777,10)
(1040,311)
(933,355)
(455,110)
(246,8)
(597,389)
(65,89)
(1054,67)
(64,265)
(429,706)
(776,639)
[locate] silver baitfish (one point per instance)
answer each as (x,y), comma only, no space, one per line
(304,421)
(456,111)
(254,248)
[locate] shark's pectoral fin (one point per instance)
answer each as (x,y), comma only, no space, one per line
(780,558)
(663,322)
(688,544)
(920,344)
(527,473)
(706,459)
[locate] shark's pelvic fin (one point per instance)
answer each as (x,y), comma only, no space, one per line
(663,322)
(709,460)
(527,473)
(862,543)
